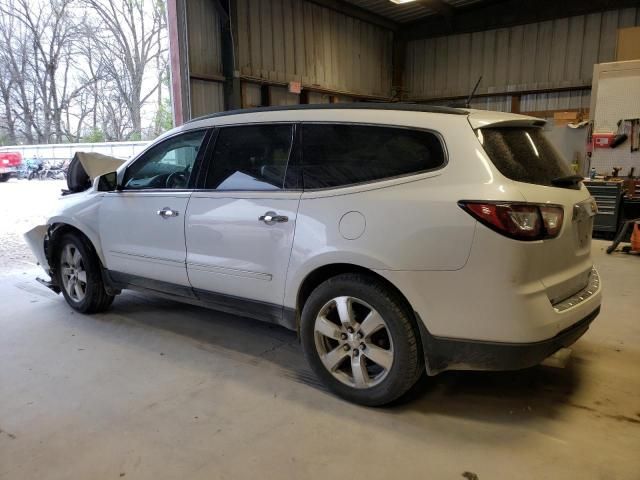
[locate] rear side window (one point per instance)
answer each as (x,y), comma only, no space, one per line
(337,155)
(523,154)
(250,157)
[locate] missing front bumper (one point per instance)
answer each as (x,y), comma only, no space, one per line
(35,240)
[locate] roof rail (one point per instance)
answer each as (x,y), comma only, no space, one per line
(407,107)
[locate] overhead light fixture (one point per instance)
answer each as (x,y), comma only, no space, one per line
(399,2)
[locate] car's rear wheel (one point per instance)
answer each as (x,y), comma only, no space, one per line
(79,277)
(4,177)
(359,338)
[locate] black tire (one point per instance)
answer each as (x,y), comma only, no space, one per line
(96,299)
(4,177)
(408,363)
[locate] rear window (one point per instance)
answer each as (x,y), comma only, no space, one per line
(335,155)
(523,154)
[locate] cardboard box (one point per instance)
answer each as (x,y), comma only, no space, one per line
(563,118)
(628,44)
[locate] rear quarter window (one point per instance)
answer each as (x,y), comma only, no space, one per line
(335,155)
(523,154)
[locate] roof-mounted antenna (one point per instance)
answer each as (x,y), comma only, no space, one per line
(473,92)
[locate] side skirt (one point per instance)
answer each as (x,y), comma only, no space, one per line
(263,311)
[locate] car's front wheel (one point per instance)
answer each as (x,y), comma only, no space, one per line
(359,338)
(79,277)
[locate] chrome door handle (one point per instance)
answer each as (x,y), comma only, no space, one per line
(272,217)
(166,212)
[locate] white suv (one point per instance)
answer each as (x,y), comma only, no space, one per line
(394,238)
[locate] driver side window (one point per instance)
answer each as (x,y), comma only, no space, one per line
(167,165)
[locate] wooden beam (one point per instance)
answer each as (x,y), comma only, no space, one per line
(549,113)
(207,77)
(493,14)
(505,93)
(357,12)
(515,104)
(398,61)
(318,89)
(232,88)
(265,95)
(178,58)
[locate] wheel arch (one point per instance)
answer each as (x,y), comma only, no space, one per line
(56,231)
(320,274)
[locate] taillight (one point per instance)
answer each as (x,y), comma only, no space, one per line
(520,221)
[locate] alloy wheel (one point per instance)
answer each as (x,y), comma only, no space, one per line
(74,275)
(353,342)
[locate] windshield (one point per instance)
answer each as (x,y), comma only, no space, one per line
(523,154)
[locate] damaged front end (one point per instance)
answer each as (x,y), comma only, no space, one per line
(37,239)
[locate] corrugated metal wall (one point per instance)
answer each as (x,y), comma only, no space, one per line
(552,54)
(206,97)
(203,30)
(204,51)
(574,100)
(295,40)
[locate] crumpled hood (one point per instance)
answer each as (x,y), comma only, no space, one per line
(96,164)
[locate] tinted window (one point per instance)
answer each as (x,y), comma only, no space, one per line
(335,155)
(250,158)
(167,165)
(523,154)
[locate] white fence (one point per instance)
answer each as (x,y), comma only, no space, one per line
(65,151)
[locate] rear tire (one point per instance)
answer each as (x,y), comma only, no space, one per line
(4,177)
(78,273)
(360,338)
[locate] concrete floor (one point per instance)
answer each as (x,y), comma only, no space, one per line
(155,389)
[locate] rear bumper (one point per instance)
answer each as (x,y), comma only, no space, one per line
(455,354)
(9,170)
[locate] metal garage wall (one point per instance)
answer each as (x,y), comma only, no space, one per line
(280,96)
(537,102)
(296,40)
(206,90)
(500,103)
(206,97)
(251,95)
(545,55)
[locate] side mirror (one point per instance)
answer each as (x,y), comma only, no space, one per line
(108,182)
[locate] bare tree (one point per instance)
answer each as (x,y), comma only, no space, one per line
(41,62)
(74,69)
(130,35)
(8,119)
(20,95)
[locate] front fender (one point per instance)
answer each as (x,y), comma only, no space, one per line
(90,229)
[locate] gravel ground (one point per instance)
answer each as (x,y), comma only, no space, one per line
(23,205)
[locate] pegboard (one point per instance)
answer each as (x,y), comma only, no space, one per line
(617,97)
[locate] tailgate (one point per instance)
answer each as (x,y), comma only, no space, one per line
(564,263)
(523,154)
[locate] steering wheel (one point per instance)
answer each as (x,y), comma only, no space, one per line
(176,180)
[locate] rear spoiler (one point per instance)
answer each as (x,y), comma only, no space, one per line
(512,123)
(485,118)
